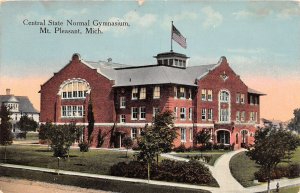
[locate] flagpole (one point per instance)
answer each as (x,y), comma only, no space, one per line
(171,37)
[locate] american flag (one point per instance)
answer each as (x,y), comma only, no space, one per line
(177,37)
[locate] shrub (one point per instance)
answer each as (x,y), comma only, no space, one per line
(294,170)
(180,148)
(192,172)
(133,169)
(83,146)
(209,146)
(291,171)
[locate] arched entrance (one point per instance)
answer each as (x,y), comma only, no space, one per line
(223,136)
(244,142)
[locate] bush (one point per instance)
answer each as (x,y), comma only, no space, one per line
(192,172)
(133,169)
(83,147)
(294,170)
(291,171)
(180,148)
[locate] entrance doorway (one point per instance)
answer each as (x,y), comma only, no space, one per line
(244,142)
(223,136)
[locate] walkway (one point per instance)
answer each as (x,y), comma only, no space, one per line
(162,183)
(228,184)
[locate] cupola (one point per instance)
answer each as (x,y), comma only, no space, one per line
(172,59)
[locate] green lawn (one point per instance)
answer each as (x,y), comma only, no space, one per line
(241,162)
(215,154)
(96,161)
(243,169)
(295,189)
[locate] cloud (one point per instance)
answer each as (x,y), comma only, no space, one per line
(144,21)
(281,10)
(213,18)
(133,19)
(246,51)
(182,16)
(289,12)
(67,13)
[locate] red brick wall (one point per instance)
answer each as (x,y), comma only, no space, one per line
(102,95)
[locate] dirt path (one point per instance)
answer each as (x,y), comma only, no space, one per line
(12,185)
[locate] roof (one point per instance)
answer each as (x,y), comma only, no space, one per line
(150,74)
(25,105)
(170,54)
(250,90)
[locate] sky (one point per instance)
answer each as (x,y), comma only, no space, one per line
(260,39)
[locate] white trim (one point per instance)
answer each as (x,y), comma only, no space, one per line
(139,124)
(209,70)
(71,80)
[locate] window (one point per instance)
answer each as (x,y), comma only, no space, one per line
(156,92)
(256,100)
(224,115)
(238,116)
(72,111)
(175,112)
(133,133)
(242,98)
(203,95)
(134,113)
(251,116)
(243,116)
(134,95)
(64,111)
(122,102)
(255,116)
(182,92)
(182,113)
(251,100)
(80,111)
(122,118)
(191,134)
(175,92)
(209,95)
(238,97)
(224,96)
(209,114)
(203,114)
(74,89)
(189,94)
(155,111)
(190,113)
(142,113)
(183,134)
(143,93)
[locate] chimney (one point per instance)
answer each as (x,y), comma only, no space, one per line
(8,91)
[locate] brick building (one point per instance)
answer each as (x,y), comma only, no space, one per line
(126,98)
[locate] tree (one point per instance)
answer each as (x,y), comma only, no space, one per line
(5,128)
(127,142)
(295,122)
(91,121)
(157,138)
(203,137)
(61,138)
(27,124)
(271,147)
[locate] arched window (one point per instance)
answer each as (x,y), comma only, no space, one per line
(224,96)
(224,106)
(74,89)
